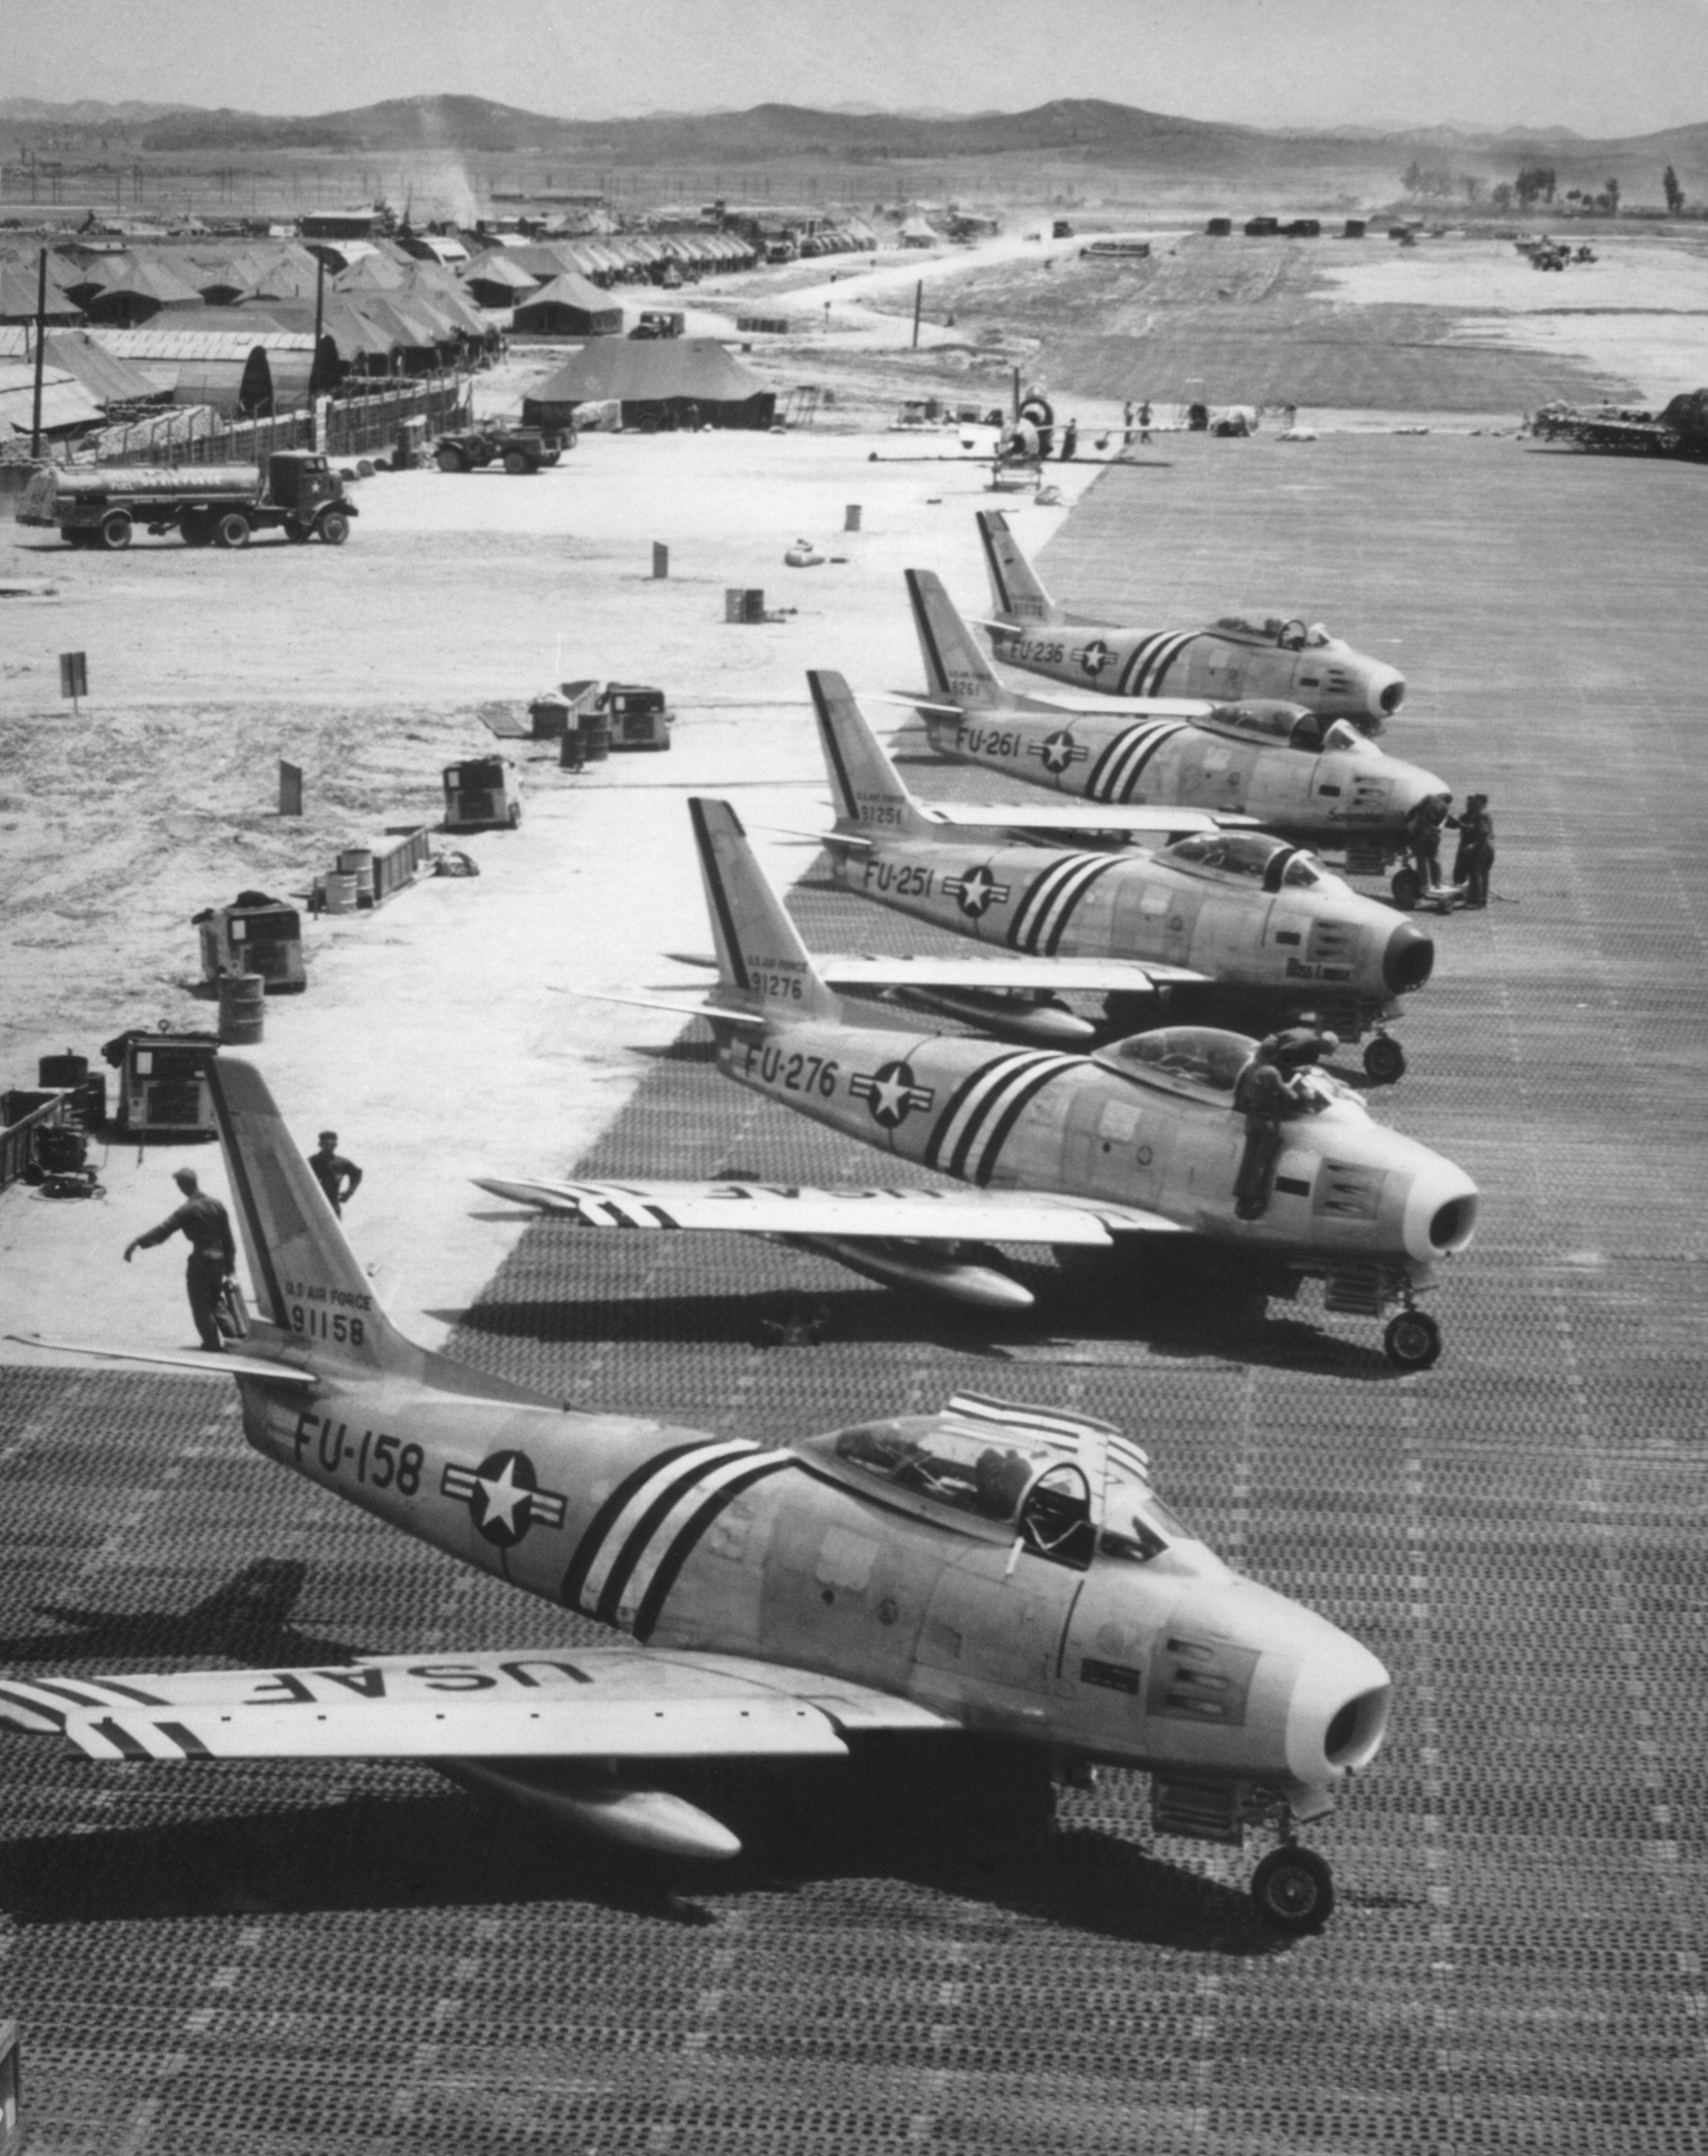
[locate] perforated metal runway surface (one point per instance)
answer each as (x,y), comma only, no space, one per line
(294,1959)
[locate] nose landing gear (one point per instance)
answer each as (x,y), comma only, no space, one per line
(1412,1340)
(1293,1889)
(1384,1060)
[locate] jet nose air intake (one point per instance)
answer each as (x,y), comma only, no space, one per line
(1338,1713)
(1408,961)
(1388,691)
(1441,1211)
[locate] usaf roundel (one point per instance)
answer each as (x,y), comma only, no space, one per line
(504,1497)
(890,1094)
(1095,656)
(1060,752)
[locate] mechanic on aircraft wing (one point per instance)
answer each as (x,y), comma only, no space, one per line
(1269,1090)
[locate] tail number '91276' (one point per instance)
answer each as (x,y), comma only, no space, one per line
(795,1073)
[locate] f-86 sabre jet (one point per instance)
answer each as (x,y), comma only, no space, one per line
(1140,1141)
(1231,658)
(1229,924)
(989,1576)
(1302,776)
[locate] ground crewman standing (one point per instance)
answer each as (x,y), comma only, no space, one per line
(1475,856)
(340,1178)
(212,1253)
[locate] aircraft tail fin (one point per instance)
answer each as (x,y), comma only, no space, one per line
(1015,593)
(868,789)
(763,966)
(956,669)
(307,1281)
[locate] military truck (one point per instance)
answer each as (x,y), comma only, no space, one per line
(517,449)
(212,505)
(1680,430)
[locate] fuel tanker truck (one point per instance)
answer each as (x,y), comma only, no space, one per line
(213,505)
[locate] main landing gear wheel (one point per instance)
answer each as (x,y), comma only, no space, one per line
(1385,1059)
(1412,1340)
(1293,1889)
(1408,888)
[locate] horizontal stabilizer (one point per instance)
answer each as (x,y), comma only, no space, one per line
(188,1359)
(759,1209)
(1118,707)
(924,701)
(700,1009)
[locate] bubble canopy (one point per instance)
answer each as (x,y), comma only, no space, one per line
(1199,1060)
(1251,856)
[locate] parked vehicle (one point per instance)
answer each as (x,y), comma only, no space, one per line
(518,449)
(297,492)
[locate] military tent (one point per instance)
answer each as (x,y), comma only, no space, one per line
(677,381)
(569,306)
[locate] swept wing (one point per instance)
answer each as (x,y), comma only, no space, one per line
(1084,976)
(556,1702)
(910,1215)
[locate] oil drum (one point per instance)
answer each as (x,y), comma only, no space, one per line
(242,1008)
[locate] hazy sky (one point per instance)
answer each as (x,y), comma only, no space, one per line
(1603,67)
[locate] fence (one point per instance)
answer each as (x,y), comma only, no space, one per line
(195,434)
(18,1140)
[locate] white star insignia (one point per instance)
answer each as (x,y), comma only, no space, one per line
(503,1495)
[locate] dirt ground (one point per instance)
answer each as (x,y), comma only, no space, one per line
(1460,326)
(435,1036)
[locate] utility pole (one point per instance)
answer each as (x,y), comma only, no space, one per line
(320,324)
(919,294)
(35,429)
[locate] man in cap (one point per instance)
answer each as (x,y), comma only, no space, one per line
(1266,1093)
(1475,855)
(212,1258)
(337,1177)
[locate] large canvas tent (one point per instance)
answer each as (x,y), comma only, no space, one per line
(674,383)
(569,306)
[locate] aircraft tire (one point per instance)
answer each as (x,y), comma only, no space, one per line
(1293,1891)
(1408,889)
(1385,1060)
(1412,1340)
